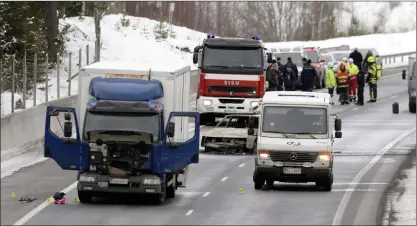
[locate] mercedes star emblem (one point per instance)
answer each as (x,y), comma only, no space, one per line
(293,156)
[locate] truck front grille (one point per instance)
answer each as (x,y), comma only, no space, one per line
(231,101)
(300,156)
(234,89)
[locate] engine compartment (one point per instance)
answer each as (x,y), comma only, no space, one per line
(119,155)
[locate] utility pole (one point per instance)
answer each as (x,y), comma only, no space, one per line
(97,19)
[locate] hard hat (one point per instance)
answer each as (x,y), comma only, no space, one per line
(330,64)
(371,59)
(345,59)
(350,60)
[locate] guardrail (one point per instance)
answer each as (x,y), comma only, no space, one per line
(394,60)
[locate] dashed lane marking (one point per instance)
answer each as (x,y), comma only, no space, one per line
(189,212)
(241,165)
(224,178)
(355,109)
(206,194)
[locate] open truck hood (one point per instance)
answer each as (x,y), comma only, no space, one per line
(228,132)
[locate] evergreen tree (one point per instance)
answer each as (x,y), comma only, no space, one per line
(161,30)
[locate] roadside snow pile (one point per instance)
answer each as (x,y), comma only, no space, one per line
(384,43)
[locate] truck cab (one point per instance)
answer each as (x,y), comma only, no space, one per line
(412,82)
(295,139)
(232,75)
(134,132)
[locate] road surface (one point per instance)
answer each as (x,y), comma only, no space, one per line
(213,193)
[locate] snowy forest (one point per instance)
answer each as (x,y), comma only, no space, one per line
(29,28)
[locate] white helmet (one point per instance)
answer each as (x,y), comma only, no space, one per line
(330,64)
(345,59)
(350,61)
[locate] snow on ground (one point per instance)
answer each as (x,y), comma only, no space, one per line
(401,204)
(132,44)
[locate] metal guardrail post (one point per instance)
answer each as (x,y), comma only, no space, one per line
(35,79)
(46,78)
(69,73)
(1,76)
(87,53)
(80,53)
(58,73)
(13,82)
(24,80)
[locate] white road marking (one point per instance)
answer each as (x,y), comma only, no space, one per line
(353,189)
(42,206)
(241,165)
(224,178)
(345,200)
(189,212)
(358,183)
(355,109)
(392,97)
(206,194)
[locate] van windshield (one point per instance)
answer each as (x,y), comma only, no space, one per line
(294,120)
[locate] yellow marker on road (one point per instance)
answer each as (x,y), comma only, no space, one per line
(76,199)
(49,201)
(13,195)
(241,191)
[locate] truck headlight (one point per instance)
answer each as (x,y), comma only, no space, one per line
(254,103)
(324,157)
(152,181)
(207,102)
(87,178)
(263,155)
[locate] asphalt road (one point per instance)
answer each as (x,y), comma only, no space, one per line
(213,193)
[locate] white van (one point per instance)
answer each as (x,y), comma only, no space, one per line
(295,139)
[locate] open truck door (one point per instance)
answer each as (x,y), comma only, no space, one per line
(60,144)
(180,143)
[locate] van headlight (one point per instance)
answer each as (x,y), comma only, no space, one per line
(324,156)
(263,155)
(207,102)
(152,181)
(413,93)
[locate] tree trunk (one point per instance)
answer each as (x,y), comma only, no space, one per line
(52,29)
(97,18)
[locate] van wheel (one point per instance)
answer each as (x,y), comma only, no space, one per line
(259,182)
(412,107)
(85,197)
(326,183)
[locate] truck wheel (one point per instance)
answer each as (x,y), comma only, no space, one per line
(412,107)
(170,192)
(270,183)
(259,182)
(85,197)
(326,183)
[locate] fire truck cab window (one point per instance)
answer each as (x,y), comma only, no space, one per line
(232,57)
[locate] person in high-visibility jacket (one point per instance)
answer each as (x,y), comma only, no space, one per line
(372,79)
(353,82)
(330,80)
(342,83)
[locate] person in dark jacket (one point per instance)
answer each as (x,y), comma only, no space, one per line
(290,75)
(357,58)
(281,68)
(365,60)
(272,76)
(308,75)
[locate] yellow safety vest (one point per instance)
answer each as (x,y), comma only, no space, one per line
(330,80)
(353,69)
(378,70)
(372,74)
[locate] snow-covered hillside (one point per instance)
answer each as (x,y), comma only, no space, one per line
(131,44)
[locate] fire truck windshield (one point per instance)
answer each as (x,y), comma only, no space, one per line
(233,58)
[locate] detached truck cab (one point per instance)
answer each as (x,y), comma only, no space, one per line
(134,132)
(295,139)
(232,76)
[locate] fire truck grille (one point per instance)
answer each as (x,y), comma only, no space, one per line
(234,89)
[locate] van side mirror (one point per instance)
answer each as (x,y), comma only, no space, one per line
(338,134)
(404,74)
(269,58)
(251,131)
(171,129)
(67,129)
(195,58)
(338,124)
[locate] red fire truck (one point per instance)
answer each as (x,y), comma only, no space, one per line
(232,76)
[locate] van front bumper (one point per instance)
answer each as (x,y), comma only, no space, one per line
(308,174)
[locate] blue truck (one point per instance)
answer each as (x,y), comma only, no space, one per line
(134,132)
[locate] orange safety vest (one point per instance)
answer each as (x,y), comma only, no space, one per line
(342,78)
